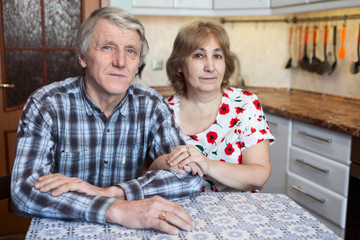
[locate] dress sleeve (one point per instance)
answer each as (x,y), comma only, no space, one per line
(256,126)
(34,157)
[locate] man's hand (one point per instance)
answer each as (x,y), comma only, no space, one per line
(145,214)
(62,184)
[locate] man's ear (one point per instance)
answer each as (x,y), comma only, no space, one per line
(82,61)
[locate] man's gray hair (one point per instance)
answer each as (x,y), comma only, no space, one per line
(117,16)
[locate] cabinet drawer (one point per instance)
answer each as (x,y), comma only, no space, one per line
(331,144)
(325,172)
(326,203)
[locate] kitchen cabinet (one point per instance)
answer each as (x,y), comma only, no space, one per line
(153,3)
(279,153)
(227,8)
(319,171)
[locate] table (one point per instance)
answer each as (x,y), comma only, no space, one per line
(218,215)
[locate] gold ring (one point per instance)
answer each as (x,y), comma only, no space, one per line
(163,215)
(188,151)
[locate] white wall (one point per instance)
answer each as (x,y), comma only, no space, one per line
(263,51)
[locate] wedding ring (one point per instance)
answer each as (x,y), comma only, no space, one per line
(163,215)
(188,151)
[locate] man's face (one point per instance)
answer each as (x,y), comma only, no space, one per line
(111,63)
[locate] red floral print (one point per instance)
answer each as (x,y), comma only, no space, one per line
(233,122)
(229,149)
(194,137)
(240,159)
(225,94)
(239,110)
(260,140)
(257,104)
(246,93)
(224,109)
(263,131)
(253,130)
(211,137)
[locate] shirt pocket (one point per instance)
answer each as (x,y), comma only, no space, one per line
(73,164)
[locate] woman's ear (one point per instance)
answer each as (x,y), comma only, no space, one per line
(82,61)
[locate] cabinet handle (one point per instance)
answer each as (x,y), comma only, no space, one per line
(329,140)
(326,171)
(322,201)
(275,124)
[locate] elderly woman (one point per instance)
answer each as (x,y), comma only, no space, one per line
(226,130)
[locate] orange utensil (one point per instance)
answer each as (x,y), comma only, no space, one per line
(342,49)
(299,57)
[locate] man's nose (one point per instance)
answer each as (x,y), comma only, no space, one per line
(119,59)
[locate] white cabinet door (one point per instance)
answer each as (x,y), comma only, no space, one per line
(231,4)
(279,153)
(199,4)
(154,3)
(285,3)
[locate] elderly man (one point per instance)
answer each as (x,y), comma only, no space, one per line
(82,142)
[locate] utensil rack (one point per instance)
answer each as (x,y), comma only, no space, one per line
(294,19)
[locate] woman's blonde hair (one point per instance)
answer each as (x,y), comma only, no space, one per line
(189,38)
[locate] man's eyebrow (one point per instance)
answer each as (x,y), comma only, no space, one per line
(132,46)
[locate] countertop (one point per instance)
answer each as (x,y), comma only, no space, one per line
(332,112)
(335,113)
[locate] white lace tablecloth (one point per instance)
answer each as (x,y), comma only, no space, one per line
(218,216)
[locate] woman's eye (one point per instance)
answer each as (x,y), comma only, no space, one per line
(218,56)
(198,55)
(107,47)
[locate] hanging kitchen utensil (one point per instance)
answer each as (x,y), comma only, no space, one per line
(314,61)
(342,48)
(334,51)
(299,50)
(324,66)
(305,60)
(288,64)
(355,66)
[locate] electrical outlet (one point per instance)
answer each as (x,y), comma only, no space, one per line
(156,64)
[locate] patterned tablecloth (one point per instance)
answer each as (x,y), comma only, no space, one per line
(218,216)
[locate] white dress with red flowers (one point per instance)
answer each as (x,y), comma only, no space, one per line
(240,124)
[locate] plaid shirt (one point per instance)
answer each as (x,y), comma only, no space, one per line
(62,131)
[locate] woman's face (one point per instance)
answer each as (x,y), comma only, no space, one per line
(204,69)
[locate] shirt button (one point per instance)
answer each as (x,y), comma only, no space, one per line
(108,130)
(106,161)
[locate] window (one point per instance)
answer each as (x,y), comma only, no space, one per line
(38,39)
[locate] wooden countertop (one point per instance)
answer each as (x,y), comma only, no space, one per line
(335,113)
